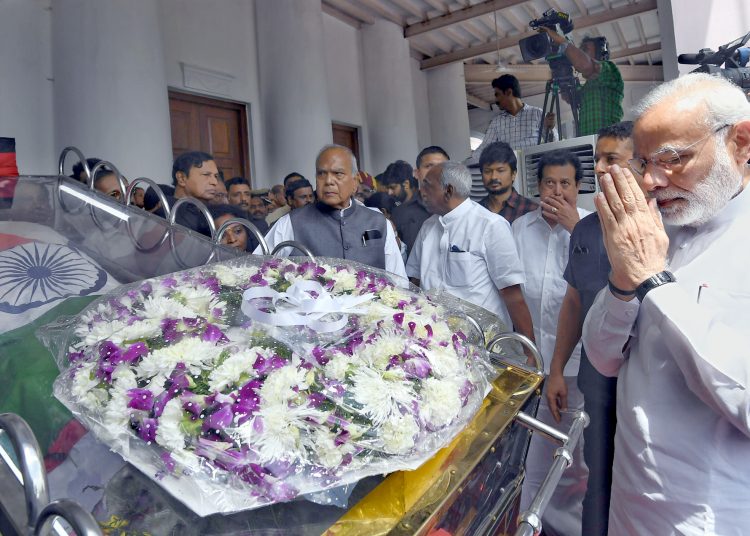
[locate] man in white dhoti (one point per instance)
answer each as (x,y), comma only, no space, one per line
(674,324)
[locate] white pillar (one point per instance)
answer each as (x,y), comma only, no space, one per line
(449,115)
(293,90)
(667,37)
(391,119)
(26,85)
(110,86)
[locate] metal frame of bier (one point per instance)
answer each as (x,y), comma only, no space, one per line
(42,515)
(170,212)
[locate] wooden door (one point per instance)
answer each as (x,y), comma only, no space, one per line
(213,126)
(348,137)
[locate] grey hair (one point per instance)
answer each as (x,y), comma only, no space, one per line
(330,146)
(725,103)
(458,176)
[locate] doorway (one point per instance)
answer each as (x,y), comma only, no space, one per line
(213,126)
(348,137)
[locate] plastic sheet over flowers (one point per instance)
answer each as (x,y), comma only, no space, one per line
(252,382)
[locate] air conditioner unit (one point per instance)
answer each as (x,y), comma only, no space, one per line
(582,147)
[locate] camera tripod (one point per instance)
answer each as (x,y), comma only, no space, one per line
(552,96)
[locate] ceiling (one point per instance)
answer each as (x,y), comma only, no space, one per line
(484,35)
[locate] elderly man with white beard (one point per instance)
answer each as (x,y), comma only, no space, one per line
(674,324)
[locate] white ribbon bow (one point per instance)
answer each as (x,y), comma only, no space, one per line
(299,307)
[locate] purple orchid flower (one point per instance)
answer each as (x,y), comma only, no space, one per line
(142,399)
(147,429)
(342,438)
(75,357)
(135,352)
(320,355)
(218,419)
(418,367)
(398,318)
(213,334)
(169,330)
(314,400)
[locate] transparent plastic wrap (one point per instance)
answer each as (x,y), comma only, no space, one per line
(254,381)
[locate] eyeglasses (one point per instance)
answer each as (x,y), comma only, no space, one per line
(668,158)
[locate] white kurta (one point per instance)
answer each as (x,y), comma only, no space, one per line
(544,255)
(282,230)
(682,447)
(543,251)
(469,253)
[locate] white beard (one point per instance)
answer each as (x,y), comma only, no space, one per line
(708,196)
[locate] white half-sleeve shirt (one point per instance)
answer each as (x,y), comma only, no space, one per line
(469,253)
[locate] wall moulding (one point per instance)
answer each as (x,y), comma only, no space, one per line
(206,80)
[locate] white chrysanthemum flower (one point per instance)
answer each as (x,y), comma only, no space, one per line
(377,311)
(116,415)
(85,389)
(277,389)
(441,402)
(100,331)
(393,296)
(380,351)
(158,308)
(157,289)
(328,454)
(169,433)
(441,331)
(445,363)
(343,281)
(398,433)
(233,367)
(338,366)
(192,351)
(231,276)
(381,394)
(281,433)
(140,329)
(200,299)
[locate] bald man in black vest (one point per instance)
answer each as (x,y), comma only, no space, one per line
(337,225)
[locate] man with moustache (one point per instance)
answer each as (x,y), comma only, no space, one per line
(586,274)
(467,251)
(336,225)
(673,323)
(239,192)
(498,166)
(195,175)
(542,237)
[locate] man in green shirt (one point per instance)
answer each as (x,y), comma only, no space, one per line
(600,98)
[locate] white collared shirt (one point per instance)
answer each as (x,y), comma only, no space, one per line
(519,131)
(469,253)
(544,255)
(682,357)
(282,230)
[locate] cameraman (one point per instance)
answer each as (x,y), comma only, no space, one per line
(517,124)
(601,96)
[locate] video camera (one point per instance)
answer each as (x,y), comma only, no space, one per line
(541,45)
(733,55)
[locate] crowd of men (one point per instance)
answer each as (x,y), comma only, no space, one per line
(657,358)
